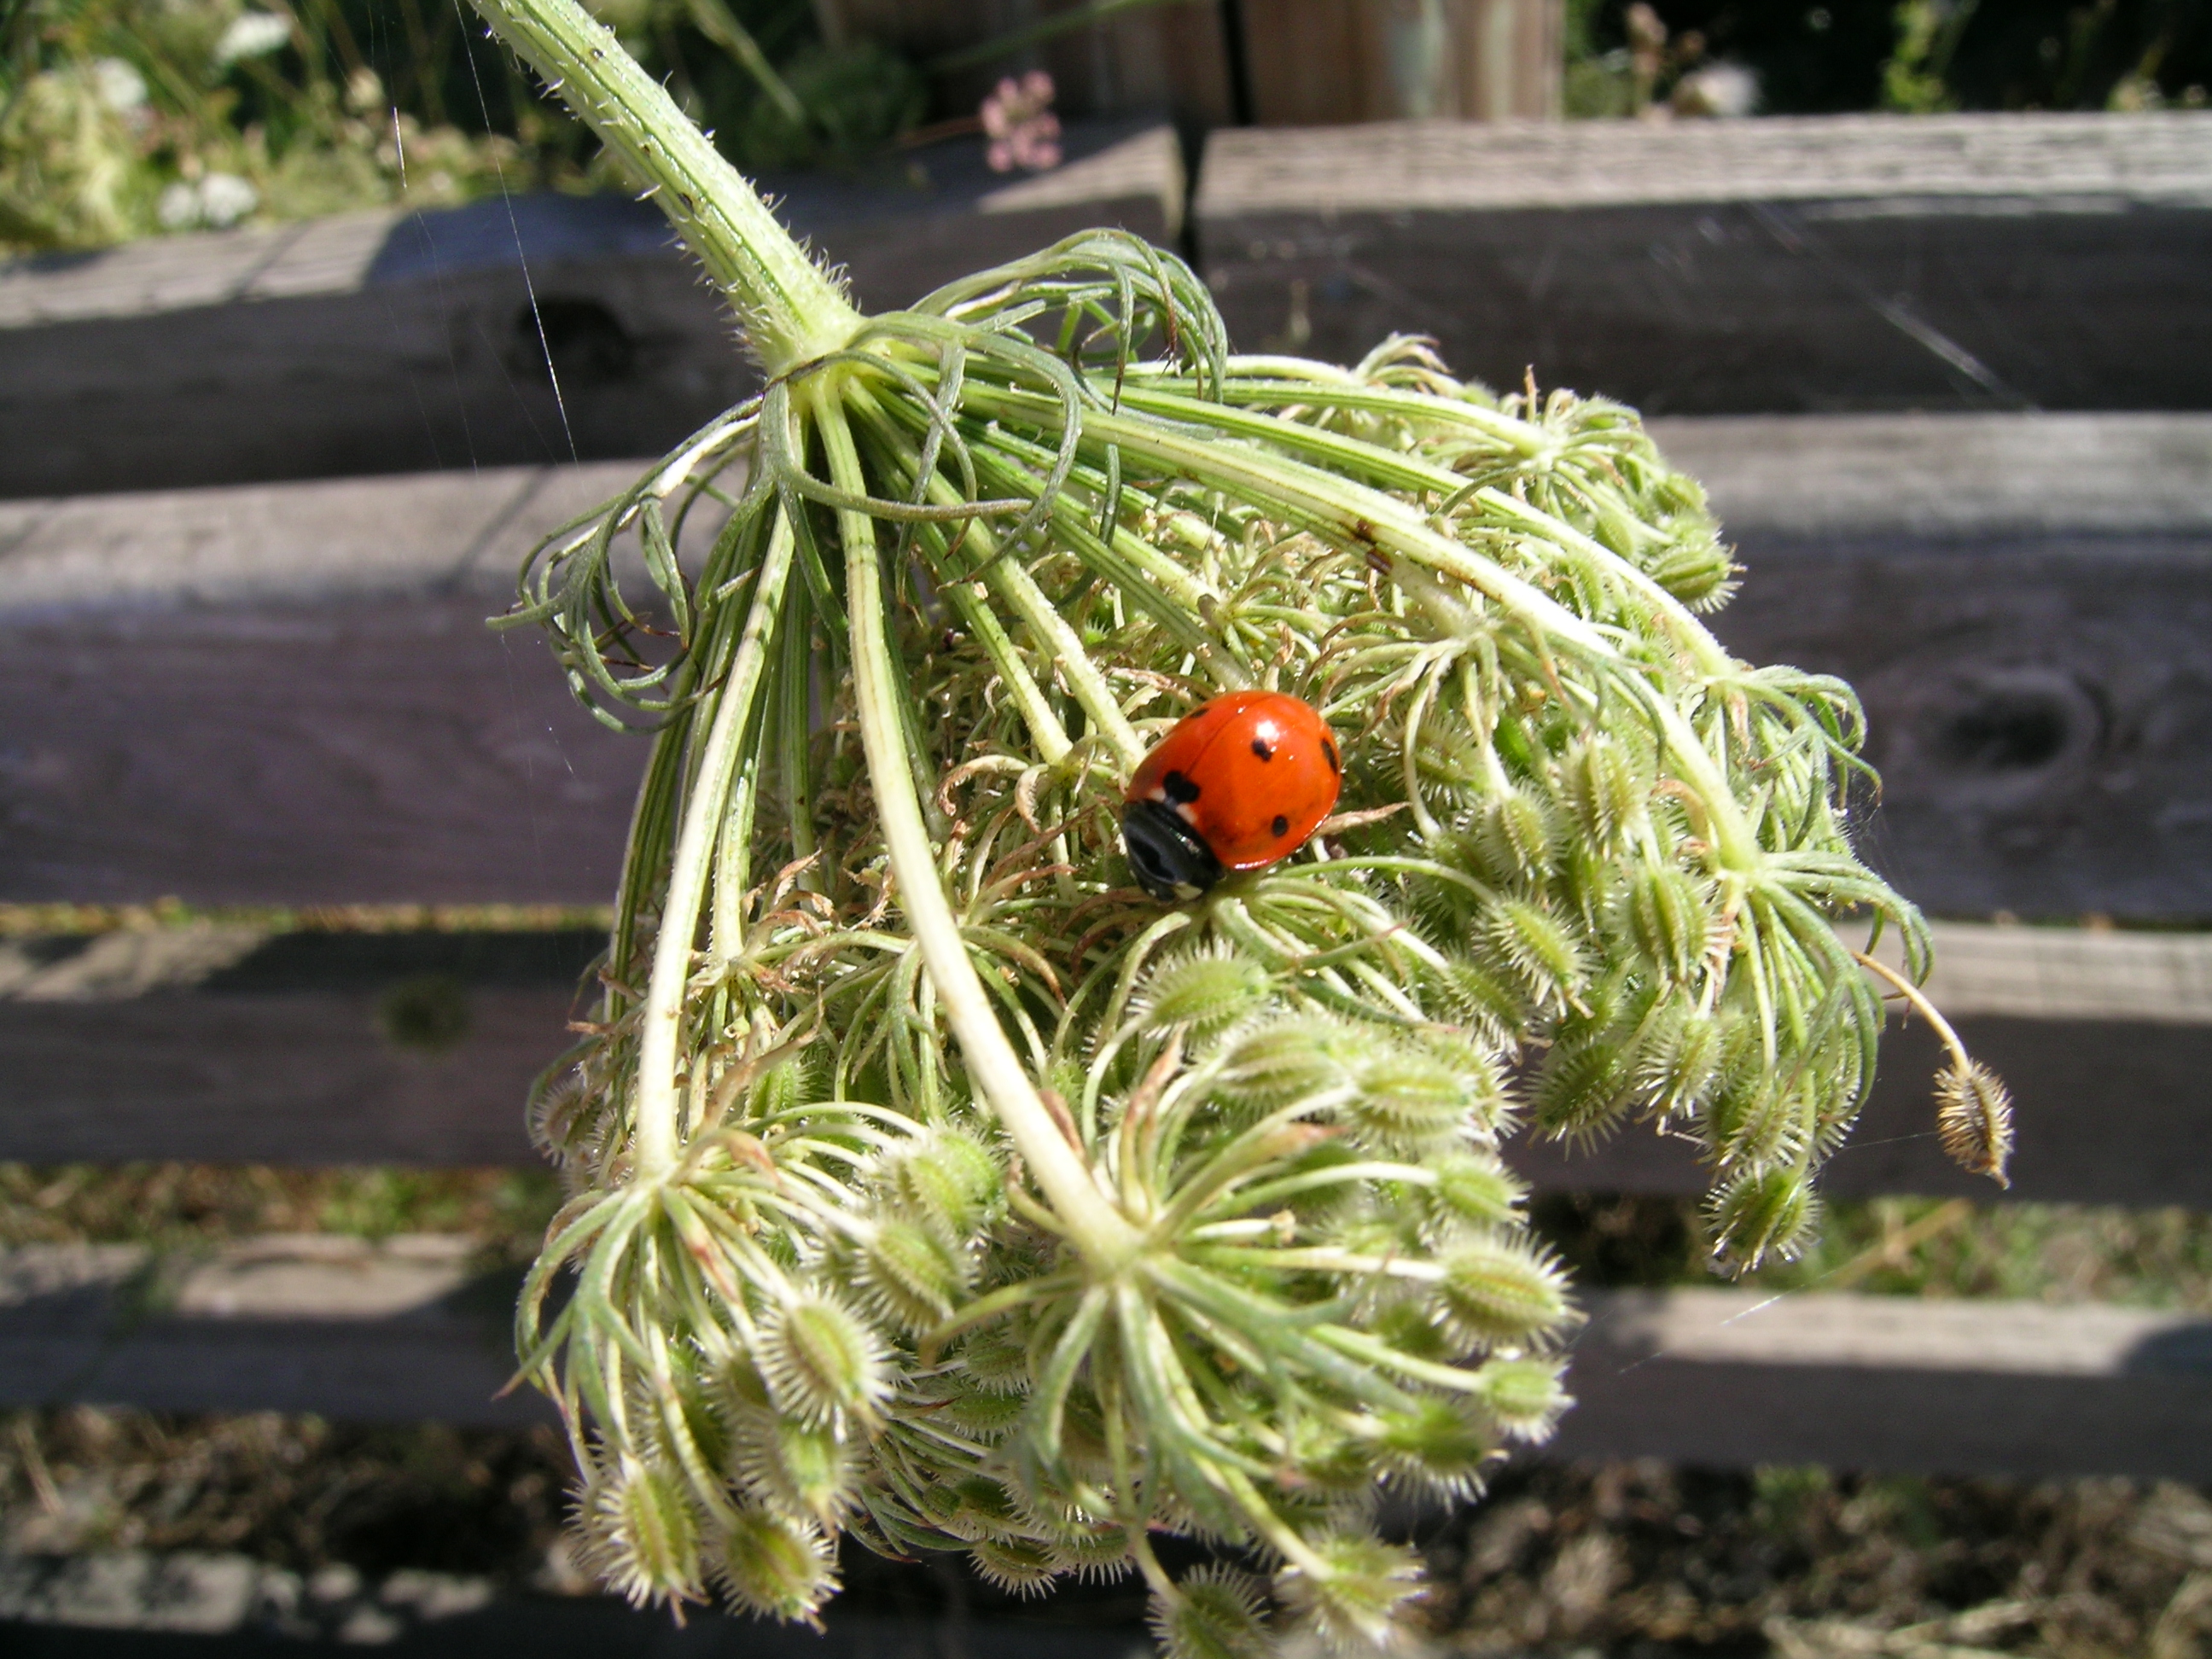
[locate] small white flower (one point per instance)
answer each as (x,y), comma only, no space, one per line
(251,35)
(179,207)
(220,199)
(224,198)
(122,89)
(1722,91)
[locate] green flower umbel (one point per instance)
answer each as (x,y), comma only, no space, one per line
(932,1183)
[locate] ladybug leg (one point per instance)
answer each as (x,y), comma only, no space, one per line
(1168,860)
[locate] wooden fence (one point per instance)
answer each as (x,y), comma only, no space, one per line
(248,692)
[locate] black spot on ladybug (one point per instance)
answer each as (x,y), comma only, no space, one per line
(1281,826)
(1179,789)
(1328,749)
(1259,747)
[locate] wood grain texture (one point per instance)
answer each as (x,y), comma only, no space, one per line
(1784,265)
(311,1049)
(285,694)
(1731,1379)
(404,1330)
(400,342)
(398,1331)
(2040,709)
(231,1046)
(1319,62)
(232,696)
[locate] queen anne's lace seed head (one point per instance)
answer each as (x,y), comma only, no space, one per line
(934,1186)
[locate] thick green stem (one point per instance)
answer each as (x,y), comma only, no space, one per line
(655,1109)
(791,310)
(1097,1228)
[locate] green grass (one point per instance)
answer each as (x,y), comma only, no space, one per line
(181,1206)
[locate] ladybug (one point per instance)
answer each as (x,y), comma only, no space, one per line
(1240,782)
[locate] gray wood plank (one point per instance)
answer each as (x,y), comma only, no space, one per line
(308,1049)
(1791,264)
(233,1046)
(288,694)
(399,1331)
(402,1330)
(1732,1379)
(284,694)
(397,341)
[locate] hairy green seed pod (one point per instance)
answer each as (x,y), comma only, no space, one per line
(779,1088)
(1669,916)
(821,1362)
(1679,1060)
(564,1119)
(1537,948)
(1205,992)
(1523,1397)
(1329,1462)
(1475,1187)
(950,1177)
(1019,1566)
(802,1467)
(1698,568)
(1480,1071)
(996,1357)
(641,1530)
(1498,1294)
(910,1275)
(1583,1088)
(1351,1602)
(1404,1099)
(1216,1613)
(1767,1213)
(1436,1447)
(1283,1060)
(1091,1553)
(1604,791)
(976,1507)
(775,1565)
(984,1415)
(1973,1117)
(1755,1121)
(1478,997)
(1514,840)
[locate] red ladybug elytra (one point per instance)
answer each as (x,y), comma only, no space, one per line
(1240,782)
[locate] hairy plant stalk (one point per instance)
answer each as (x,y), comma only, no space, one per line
(791,310)
(997,1071)
(934,1185)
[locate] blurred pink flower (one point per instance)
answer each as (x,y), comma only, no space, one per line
(1024,131)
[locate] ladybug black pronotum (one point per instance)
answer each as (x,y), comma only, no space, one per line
(1240,782)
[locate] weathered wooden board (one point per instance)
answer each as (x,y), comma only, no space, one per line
(403,1330)
(285,694)
(226,1045)
(229,1045)
(395,1332)
(1784,264)
(1732,1378)
(396,342)
(1319,61)
(242,695)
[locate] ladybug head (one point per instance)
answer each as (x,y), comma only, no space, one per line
(1170,860)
